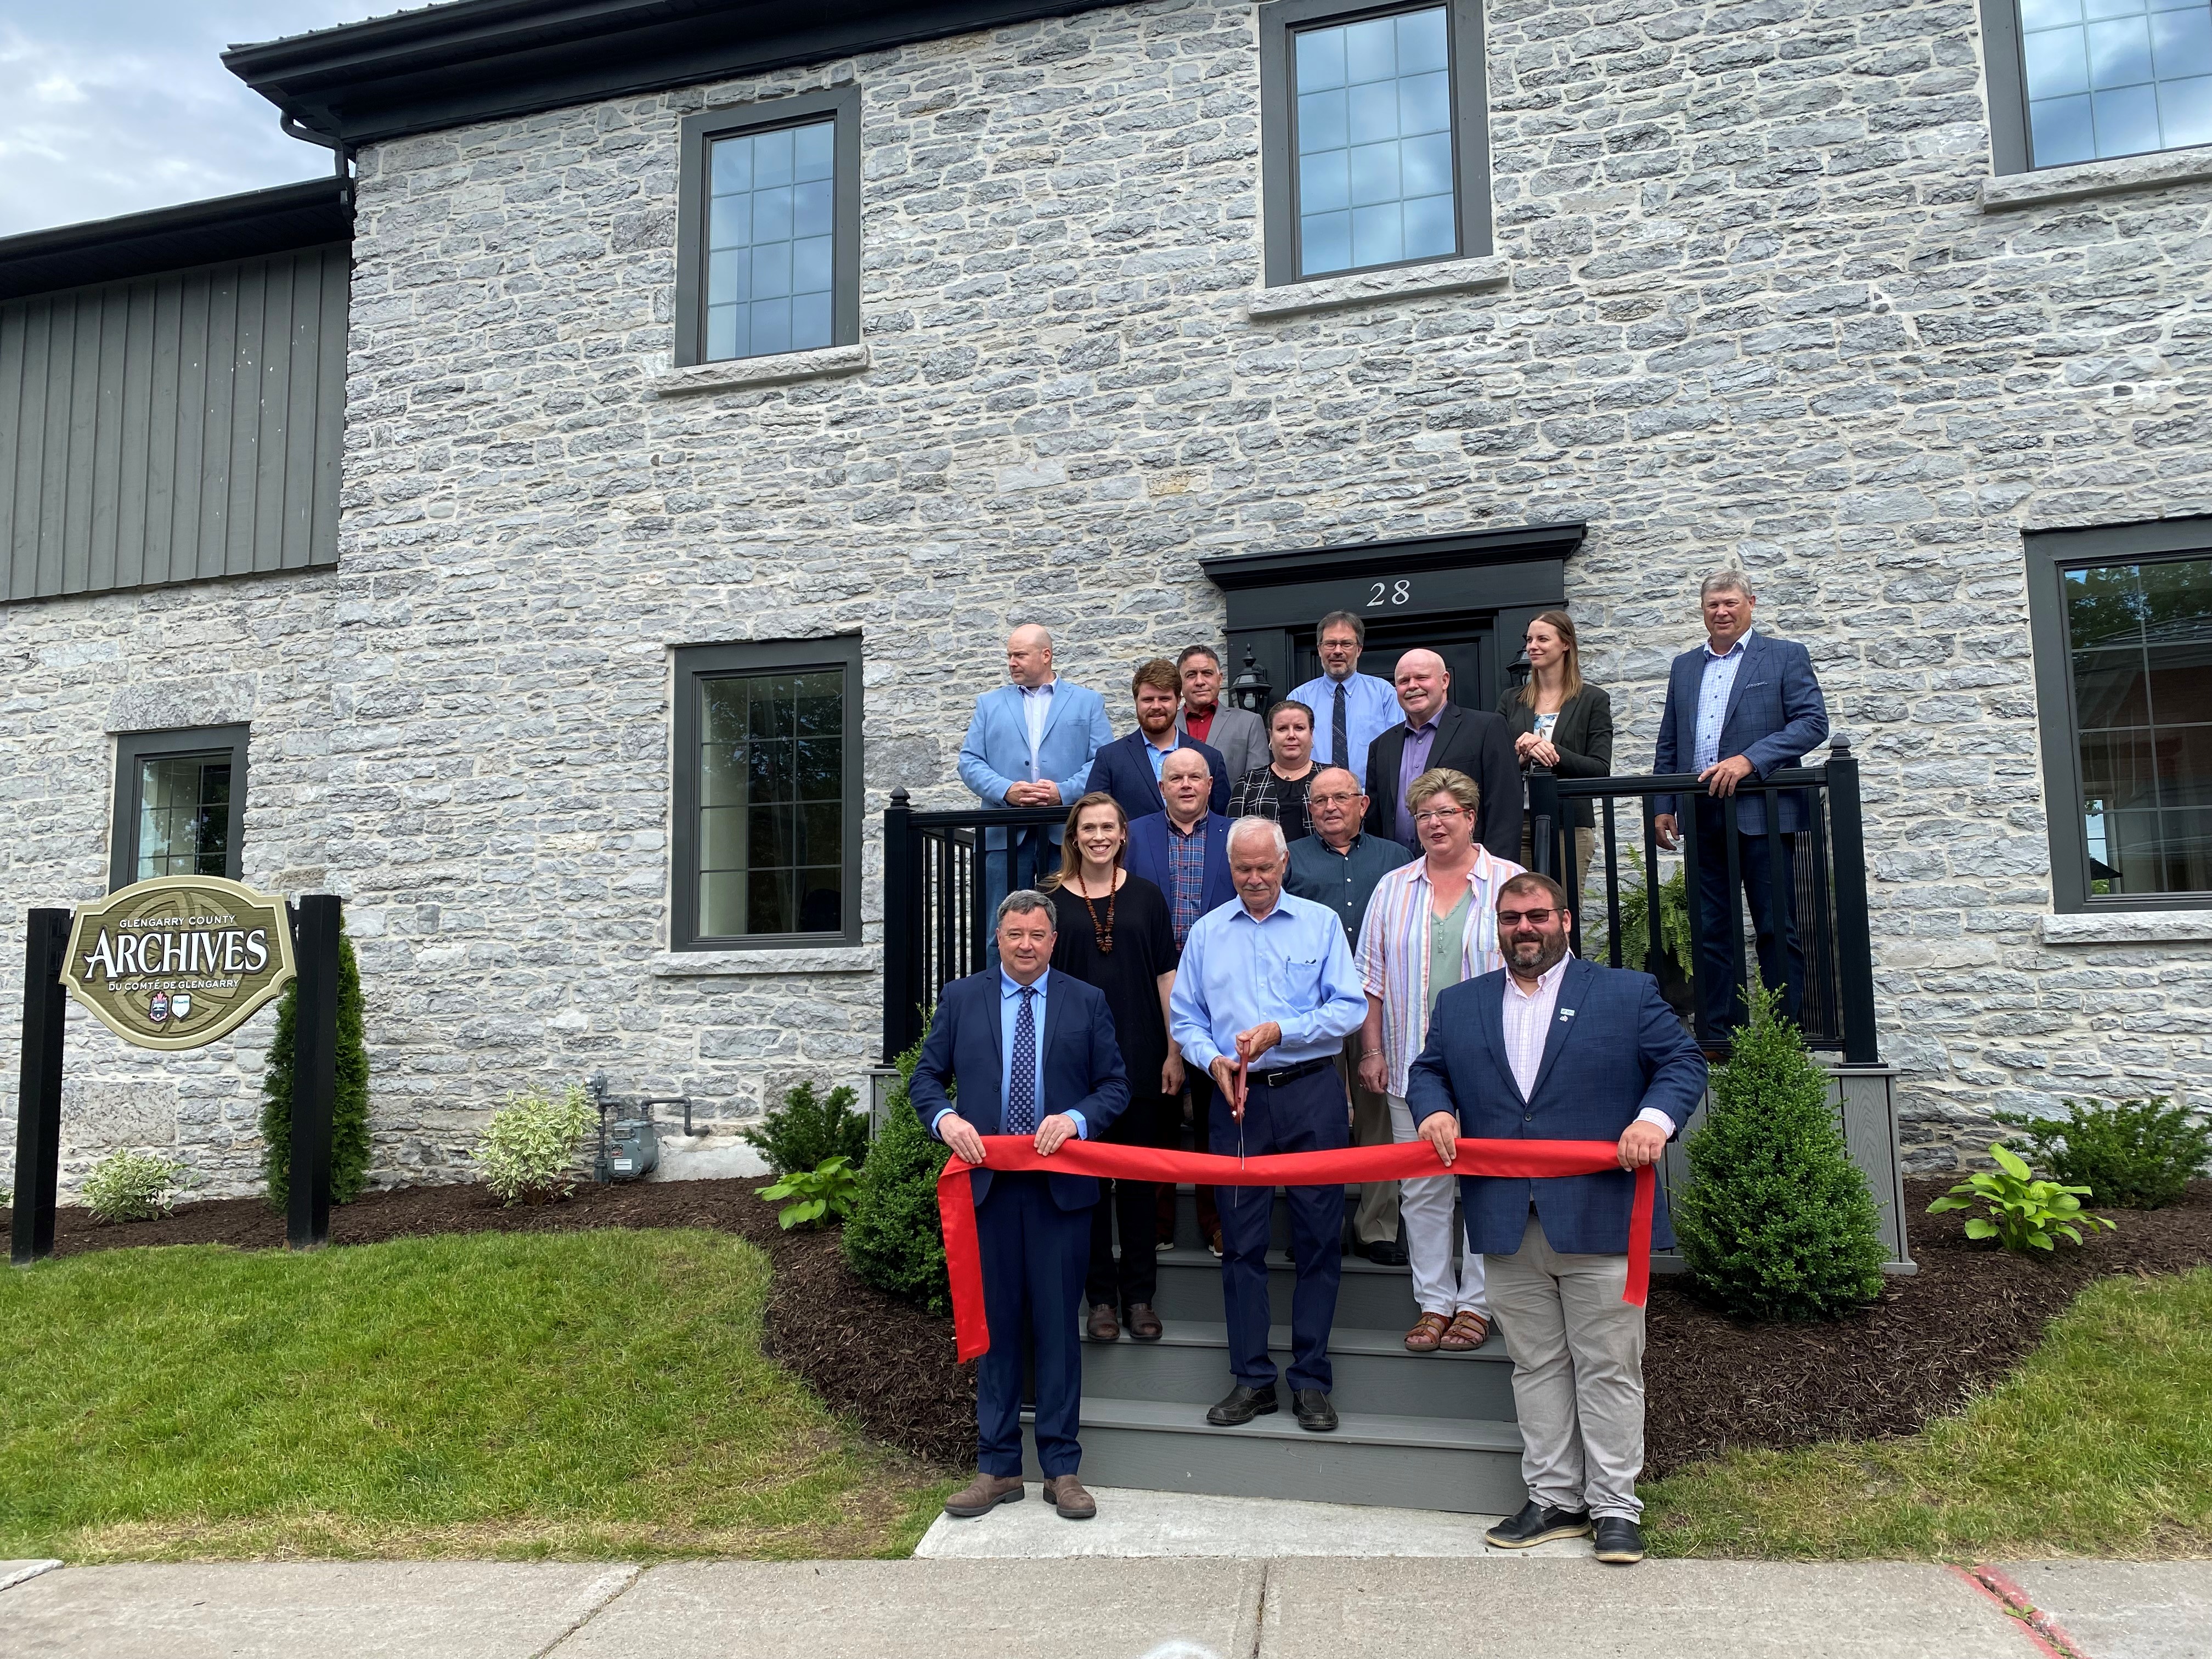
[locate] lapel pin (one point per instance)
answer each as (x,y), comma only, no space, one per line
(1566,1014)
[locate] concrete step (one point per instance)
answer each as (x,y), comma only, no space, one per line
(1466,1465)
(1368,1296)
(1374,1371)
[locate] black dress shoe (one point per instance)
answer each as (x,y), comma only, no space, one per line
(1387,1253)
(1314,1413)
(1240,1405)
(1537,1523)
(1619,1540)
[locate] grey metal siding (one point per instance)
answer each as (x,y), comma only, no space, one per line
(174,428)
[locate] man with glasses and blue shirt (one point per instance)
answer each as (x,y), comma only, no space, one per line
(1031,1052)
(1350,710)
(1264,998)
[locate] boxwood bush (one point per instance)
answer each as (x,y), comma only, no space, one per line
(893,1239)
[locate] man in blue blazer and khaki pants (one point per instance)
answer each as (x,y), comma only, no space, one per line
(1740,705)
(1031,1052)
(1551,1048)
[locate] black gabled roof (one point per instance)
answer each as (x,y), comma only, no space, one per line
(308,215)
(478,60)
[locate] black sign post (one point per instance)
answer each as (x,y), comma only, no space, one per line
(39,1106)
(314,1071)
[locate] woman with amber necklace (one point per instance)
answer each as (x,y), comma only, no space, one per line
(1114,934)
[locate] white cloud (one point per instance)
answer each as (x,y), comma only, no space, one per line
(111,106)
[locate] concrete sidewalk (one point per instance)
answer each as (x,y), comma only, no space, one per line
(1302,1608)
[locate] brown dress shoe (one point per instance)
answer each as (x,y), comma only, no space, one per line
(1101,1327)
(1144,1323)
(1065,1494)
(984,1493)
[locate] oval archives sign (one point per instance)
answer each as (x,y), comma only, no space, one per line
(179,961)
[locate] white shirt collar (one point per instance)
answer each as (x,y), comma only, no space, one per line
(1044,691)
(1734,650)
(1546,982)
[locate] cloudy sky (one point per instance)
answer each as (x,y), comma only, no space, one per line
(110,106)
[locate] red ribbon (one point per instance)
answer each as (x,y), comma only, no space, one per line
(1408,1160)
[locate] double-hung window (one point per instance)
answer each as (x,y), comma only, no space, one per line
(1376,151)
(769,228)
(2122,621)
(179,805)
(768,795)
(2083,80)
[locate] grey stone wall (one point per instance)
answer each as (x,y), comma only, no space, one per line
(1755,315)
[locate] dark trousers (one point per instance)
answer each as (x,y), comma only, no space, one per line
(1306,1114)
(1781,958)
(1033,1257)
(1128,1206)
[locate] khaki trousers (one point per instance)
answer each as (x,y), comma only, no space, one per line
(1376,1219)
(1427,1203)
(1578,1374)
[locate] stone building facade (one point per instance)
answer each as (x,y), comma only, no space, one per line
(1755,298)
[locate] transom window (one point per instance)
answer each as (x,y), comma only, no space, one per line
(768,240)
(2141,644)
(179,805)
(1375,152)
(767,793)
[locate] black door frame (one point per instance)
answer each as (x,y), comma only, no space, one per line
(1459,583)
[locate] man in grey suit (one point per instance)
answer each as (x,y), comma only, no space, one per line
(1238,735)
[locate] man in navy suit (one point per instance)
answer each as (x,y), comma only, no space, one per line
(1129,768)
(1031,1053)
(1184,850)
(1551,1048)
(1740,705)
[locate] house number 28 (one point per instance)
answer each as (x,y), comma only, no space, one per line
(1382,593)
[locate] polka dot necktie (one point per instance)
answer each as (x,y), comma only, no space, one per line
(1021,1088)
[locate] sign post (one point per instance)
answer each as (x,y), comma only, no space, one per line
(39,1106)
(177,962)
(314,1073)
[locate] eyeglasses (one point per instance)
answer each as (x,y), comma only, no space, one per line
(1534,918)
(1440,815)
(1330,800)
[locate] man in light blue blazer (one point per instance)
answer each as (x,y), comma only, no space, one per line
(1030,744)
(1740,705)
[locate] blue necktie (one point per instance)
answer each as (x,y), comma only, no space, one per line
(1339,747)
(1020,1087)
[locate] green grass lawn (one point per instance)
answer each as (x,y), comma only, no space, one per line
(584,1394)
(2100,1444)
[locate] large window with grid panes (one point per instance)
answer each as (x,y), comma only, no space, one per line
(2093,80)
(179,805)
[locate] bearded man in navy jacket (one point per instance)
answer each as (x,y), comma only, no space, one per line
(1551,1048)
(1031,1053)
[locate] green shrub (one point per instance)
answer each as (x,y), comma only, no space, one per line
(2139,1154)
(1778,1222)
(2019,1212)
(827,1190)
(533,1147)
(810,1127)
(131,1186)
(893,1239)
(349,1103)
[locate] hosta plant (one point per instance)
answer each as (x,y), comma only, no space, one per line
(829,1188)
(2018,1210)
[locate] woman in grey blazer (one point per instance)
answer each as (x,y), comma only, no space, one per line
(1560,721)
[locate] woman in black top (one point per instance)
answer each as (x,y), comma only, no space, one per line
(1114,933)
(1560,721)
(1278,790)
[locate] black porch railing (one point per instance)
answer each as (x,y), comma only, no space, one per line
(941,872)
(1820,873)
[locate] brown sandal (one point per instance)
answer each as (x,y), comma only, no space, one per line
(1427,1333)
(1469,1329)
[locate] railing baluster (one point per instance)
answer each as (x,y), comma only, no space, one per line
(1731,844)
(1685,828)
(1854,929)
(1611,887)
(1781,878)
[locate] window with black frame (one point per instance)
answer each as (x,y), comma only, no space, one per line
(1376,150)
(179,805)
(767,795)
(767,242)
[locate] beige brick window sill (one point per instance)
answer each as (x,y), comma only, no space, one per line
(737,965)
(1365,288)
(2130,927)
(740,373)
(2082,180)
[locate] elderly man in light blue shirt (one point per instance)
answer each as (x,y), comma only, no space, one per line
(1266,994)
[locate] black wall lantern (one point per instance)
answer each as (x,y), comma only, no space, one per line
(1250,689)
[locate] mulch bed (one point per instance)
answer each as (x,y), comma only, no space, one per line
(1970,1314)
